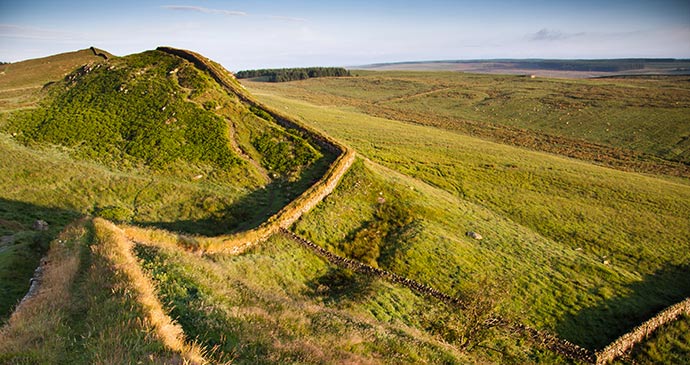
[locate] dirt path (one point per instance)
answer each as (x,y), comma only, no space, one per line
(243,155)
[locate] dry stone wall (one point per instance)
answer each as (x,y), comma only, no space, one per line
(302,204)
(625,343)
(540,338)
(293,211)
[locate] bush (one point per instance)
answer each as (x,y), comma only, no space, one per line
(115,213)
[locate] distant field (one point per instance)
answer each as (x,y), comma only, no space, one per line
(590,251)
(545,68)
(624,123)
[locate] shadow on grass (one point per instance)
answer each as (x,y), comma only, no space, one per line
(339,285)
(595,327)
(251,210)
(21,247)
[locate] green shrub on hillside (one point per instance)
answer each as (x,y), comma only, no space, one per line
(132,110)
(284,154)
(378,239)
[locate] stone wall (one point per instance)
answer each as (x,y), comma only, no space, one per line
(295,209)
(625,343)
(541,338)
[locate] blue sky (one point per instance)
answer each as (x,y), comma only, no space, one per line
(255,34)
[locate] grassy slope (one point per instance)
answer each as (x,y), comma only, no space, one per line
(278,303)
(647,116)
(21,82)
(145,138)
(670,345)
(549,223)
(87,311)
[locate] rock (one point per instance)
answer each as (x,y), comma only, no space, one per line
(40,225)
(474,235)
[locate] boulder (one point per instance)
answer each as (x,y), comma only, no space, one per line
(474,235)
(40,225)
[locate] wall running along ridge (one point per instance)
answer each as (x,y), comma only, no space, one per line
(239,242)
(279,223)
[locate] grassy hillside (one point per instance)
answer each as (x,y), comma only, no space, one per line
(630,117)
(279,303)
(588,251)
(156,117)
(147,139)
(21,82)
(568,246)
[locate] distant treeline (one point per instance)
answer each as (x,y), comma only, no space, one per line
(290,74)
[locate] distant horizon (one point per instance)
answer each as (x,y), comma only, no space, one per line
(459,60)
(267,34)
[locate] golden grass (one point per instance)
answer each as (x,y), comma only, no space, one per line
(116,247)
(34,323)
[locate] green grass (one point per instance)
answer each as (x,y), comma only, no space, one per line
(642,115)
(21,82)
(86,314)
(147,139)
(549,223)
(669,345)
(278,303)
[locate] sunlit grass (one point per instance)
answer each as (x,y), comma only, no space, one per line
(581,243)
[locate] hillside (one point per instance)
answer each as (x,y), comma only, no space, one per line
(21,82)
(588,252)
(239,226)
(637,124)
(147,138)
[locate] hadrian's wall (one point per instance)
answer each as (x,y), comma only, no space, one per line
(289,214)
(541,338)
(625,343)
(302,204)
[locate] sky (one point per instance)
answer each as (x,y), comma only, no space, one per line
(262,34)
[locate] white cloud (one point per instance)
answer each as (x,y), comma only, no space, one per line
(200,9)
